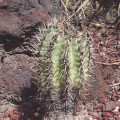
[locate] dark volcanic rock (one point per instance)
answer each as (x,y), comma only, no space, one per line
(18,21)
(16,75)
(17,15)
(33,17)
(10,24)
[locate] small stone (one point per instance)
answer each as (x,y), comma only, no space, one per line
(103,101)
(118,104)
(109,106)
(116,109)
(36,114)
(117,117)
(100,105)
(28,118)
(15,117)
(113,98)
(98,110)
(114,94)
(38,108)
(95,115)
(106,114)
(117,113)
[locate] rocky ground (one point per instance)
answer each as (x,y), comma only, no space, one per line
(19,20)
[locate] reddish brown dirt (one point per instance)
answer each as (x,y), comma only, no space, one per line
(106,53)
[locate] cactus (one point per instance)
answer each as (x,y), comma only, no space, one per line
(58,75)
(64,63)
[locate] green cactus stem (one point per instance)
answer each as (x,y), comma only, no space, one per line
(58,62)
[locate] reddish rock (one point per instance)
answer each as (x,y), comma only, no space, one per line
(103,100)
(94,115)
(106,114)
(105,118)
(100,105)
(16,15)
(1,115)
(10,24)
(98,109)
(14,117)
(33,17)
(109,106)
(113,98)
(118,104)
(16,76)
(4,3)
(16,19)
(16,111)
(117,117)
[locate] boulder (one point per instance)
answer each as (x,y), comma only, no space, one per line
(16,76)
(17,15)
(18,22)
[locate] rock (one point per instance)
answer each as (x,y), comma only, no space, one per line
(100,105)
(106,114)
(33,17)
(10,24)
(109,106)
(1,115)
(94,115)
(16,15)
(16,76)
(36,114)
(117,118)
(18,21)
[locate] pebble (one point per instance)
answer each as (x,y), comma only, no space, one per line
(22,114)
(106,114)
(117,117)
(116,109)
(28,118)
(100,105)
(38,108)
(109,106)
(36,114)
(119,100)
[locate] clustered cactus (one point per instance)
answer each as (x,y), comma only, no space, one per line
(63,65)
